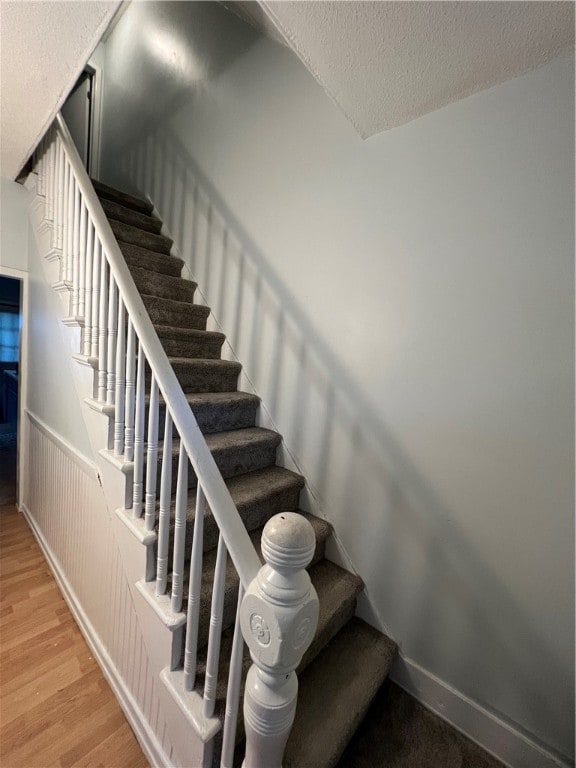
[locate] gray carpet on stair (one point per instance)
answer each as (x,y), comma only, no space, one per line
(398,732)
(335,693)
(164,263)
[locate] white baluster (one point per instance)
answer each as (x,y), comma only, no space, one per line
(57,193)
(130,405)
(120,382)
(82,265)
(112,329)
(215,635)
(278,617)
(75,248)
(180,530)
(65,222)
(164,512)
(96,265)
(44,165)
(233,691)
(69,231)
(137,487)
(62,197)
(89,288)
(151,458)
(50,180)
(194,586)
(102,330)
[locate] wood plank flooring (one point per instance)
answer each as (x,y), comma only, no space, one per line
(56,708)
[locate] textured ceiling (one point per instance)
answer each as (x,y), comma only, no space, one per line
(383,63)
(43,48)
(386,63)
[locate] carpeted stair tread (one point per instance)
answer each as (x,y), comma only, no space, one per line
(224,411)
(339,585)
(153,283)
(126,233)
(235,453)
(190,342)
(124,198)
(216,411)
(324,633)
(257,496)
(335,693)
(244,450)
(176,313)
(197,374)
(163,263)
(126,215)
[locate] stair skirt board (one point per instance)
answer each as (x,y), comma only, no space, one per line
(243,452)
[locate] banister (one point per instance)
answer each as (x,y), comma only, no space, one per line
(234,534)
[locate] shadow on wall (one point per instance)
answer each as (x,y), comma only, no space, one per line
(445,606)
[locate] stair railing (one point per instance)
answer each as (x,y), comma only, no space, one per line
(277,608)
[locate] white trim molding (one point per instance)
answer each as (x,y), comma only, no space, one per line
(508,744)
(66,509)
(82,461)
(21,275)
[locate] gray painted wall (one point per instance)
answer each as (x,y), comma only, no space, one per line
(404,307)
(50,395)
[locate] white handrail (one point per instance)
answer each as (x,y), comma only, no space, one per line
(277,607)
(234,534)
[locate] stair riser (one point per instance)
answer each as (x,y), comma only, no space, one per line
(217,418)
(190,317)
(206,350)
(200,380)
(125,215)
(222,418)
(155,262)
(337,621)
(139,237)
(153,283)
(237,461)
(193,381)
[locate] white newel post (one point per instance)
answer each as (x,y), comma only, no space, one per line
(279,617)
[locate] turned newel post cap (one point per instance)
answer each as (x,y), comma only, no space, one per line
(288,542)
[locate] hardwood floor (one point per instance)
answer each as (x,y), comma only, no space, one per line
(56,708)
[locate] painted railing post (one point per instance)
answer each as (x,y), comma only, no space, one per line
(279,616)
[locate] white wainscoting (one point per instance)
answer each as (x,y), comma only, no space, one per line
(65,506)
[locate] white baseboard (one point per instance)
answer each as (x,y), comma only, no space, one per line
(493,734)
(150,745)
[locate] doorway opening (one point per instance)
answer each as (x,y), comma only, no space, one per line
(78,112)
(10,332)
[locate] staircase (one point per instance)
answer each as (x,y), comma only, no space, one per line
(347,660)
